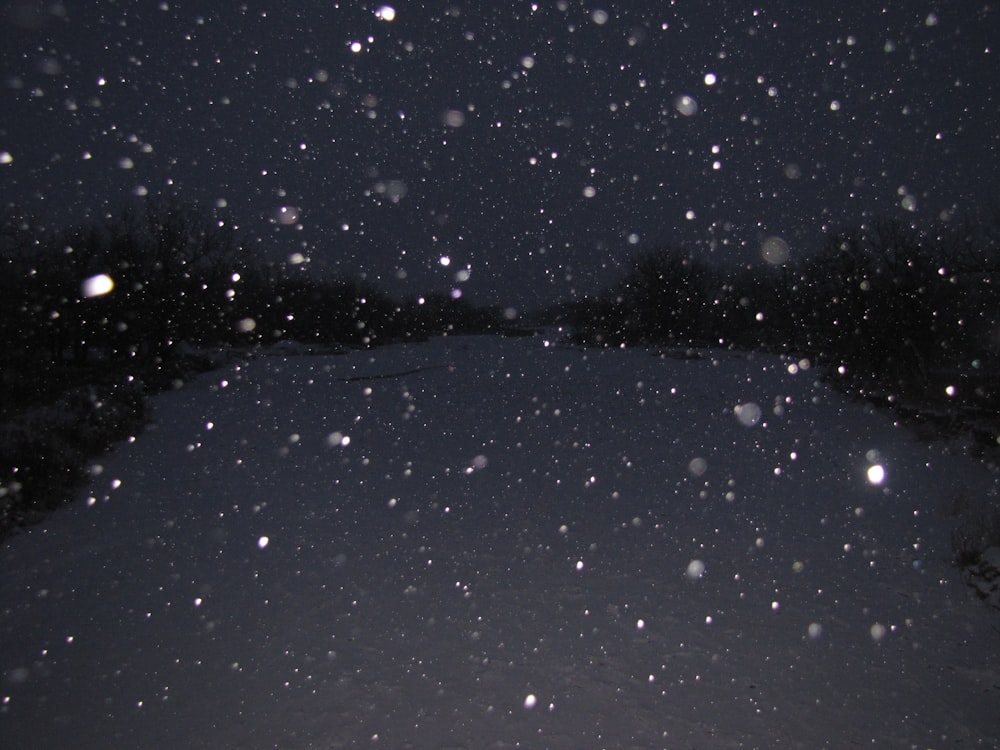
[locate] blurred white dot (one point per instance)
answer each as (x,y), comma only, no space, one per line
(263,542)
(747,414)
(686,105)
(695,569)
(877,631)
(97,286)
(6,157)
(579,564)
(775,251)
(815,630)
(710,79)
(385,13)
(453,118)
(876,474)
(698,466)
(640,624)
(338,438)
(530,701)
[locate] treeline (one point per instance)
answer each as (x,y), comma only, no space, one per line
(894,311)
(134,285)
(95,317)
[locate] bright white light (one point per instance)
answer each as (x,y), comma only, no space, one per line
(530,702)
(444,260)
(263,542)
(338,439)
(876,474)
(385,13)
(97,286)
(710,79)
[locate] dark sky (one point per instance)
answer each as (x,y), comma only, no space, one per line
(536,146)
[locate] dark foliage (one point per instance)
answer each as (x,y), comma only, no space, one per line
(94,317)
(895,313)
(906,318)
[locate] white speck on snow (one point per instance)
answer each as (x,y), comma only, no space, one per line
(344,634)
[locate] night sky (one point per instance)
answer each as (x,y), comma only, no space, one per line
(519,152)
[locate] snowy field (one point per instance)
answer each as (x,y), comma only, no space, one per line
(492,543)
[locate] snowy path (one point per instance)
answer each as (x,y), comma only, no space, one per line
(396,548)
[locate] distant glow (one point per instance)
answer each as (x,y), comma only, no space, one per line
(698,466)
(748,414)
(444,260)
(774,251)
(530,702)
(600,17)
(97,286)
(356,47)
(695,570)
(710,79)
(453,118)
(385,13)
(263,542)
(5,157)
(876,474)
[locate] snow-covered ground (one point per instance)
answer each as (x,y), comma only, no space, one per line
(490,543)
